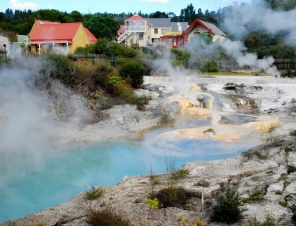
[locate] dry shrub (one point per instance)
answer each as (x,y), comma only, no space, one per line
(106,217)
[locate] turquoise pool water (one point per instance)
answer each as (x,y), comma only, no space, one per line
(28,188)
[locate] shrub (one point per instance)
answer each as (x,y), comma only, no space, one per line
(94,193)
(268,222)
(58,67)
(208,66)
(106,217)
(203,183)
(293,133)
(141,102)
(103,71)
(256,194)
(152,203)
(172,197)
(133,73)
(283,203)
(184,221)
(227,205)
(179,174)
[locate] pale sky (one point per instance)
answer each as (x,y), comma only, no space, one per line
(117,6)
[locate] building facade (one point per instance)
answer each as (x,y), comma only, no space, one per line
(63,38)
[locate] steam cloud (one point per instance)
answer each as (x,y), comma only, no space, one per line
(27,114)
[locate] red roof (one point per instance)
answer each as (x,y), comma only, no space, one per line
(56,32)
(91,37)
(121,30)
(135,17)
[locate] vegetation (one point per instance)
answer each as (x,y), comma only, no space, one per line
(293,133)
(132,72)
(203,183)
(172,197)
(105,217)
(102,26)
(152,203)
(94,193)
(269,221)
(227,205)
(256,194)
(184,222)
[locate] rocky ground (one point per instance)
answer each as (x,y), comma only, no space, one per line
(271,165)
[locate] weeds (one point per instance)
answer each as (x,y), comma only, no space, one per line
(256,194)
(260,155)
(283,203)
(179,174)
(187,222)
(269,221)
(106,217)
(292,133)
(94,193)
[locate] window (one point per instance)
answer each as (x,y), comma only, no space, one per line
(141,36)
(155,30)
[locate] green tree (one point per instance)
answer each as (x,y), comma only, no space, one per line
(49,15)
(76,16)
(158,14)
(102,27)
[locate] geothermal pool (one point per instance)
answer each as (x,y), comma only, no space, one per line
(27,187)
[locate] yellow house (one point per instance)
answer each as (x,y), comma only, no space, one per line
(63,38)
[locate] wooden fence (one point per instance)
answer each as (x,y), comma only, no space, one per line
(285,64)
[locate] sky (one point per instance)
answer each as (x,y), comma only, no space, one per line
(117,6)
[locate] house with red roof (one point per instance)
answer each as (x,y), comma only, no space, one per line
(135,32)
(64,38)
(176,40)
(140,32)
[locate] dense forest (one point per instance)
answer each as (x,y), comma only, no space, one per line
(105,25)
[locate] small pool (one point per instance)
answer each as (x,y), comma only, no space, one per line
(27,187)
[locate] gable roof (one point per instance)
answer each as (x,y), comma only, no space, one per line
(211,28)
(121,29)
(179,26)
(159,22)
(91,37)
(55,32)
(135,17)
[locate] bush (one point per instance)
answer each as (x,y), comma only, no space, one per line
(227,206)
(256,194)
(172,197)
(103,71)
(293,133)
(94,193)
(203,183)
(106,217)
(152,203)
(208,66)
(133,73)
(268,222)
(179,174)
(58,67)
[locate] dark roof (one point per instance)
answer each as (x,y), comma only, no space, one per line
(179,26)
(215,29)
(159,22)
